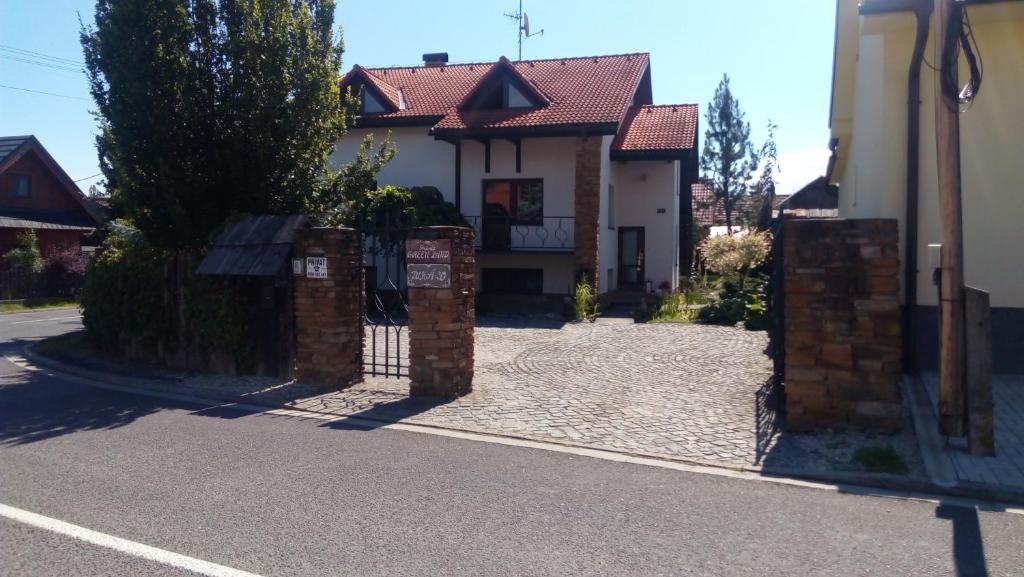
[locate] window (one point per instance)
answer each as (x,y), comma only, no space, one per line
(371,105)
(516,99)
(502,93)
(18,186)
(522,281)
(519,201)
(611,207)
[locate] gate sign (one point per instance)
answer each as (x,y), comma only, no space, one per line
(316,267)
(428,251)
(420,275)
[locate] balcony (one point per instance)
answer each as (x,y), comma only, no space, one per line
(552,234)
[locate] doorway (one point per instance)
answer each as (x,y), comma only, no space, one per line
(631,256)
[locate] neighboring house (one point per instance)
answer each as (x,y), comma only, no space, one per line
(819,199)
(876,75)
(564,167)
(709,211)
(36,194)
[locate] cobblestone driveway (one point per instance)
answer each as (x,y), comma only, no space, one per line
(689,391)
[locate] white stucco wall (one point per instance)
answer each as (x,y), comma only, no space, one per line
(872,166)
(420,159)
(642,189)
(550,159)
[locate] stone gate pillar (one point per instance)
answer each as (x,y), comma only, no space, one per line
(328,274)
(440,274)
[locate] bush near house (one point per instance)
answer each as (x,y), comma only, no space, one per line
(741,297)
(127,309)
(25,272)
(585,301)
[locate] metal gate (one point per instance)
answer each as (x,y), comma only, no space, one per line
(386,345)
(776,302)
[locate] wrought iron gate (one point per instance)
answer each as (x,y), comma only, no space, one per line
(776,302)
(386,346)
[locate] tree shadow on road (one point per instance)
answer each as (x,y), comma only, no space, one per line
(36,407)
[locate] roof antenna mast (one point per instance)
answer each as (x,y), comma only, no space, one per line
(523,22)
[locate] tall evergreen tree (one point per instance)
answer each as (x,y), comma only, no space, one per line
(208,107)
(769,155)
(729,159)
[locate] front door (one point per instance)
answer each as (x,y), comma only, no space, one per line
(631,256)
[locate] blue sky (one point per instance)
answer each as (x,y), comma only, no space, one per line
(778,54)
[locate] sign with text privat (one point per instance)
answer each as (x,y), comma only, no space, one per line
(424,275)
(316,267)
(428,251)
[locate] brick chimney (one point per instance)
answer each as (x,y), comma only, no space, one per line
(435,59)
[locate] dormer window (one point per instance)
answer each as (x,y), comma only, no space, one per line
(514,98)
(503,87)
(371,104)
(375,96)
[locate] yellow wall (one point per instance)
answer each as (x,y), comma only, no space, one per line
(871,169)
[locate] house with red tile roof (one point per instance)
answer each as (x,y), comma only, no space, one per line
(709,210)
(565,167)
(36,194)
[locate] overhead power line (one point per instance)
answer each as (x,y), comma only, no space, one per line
(34,54)
(89,177)
(43,92)
(43,64)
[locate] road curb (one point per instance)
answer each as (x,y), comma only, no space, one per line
(924,487)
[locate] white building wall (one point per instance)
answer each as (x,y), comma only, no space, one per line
(641,189)
(550,159)
(872,176)
(420,159)
(647,195)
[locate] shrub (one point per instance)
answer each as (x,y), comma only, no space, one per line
(399,207)
(63,272)
(123,292)
(585,301)
(26,257)
(218,317)
(883,459)
(683,306)
(725,312)
(736,253)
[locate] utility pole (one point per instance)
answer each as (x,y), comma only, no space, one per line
(952,349)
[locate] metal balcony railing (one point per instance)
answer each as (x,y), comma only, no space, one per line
(506,234)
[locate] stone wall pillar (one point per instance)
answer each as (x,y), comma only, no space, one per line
(329,310)
(441,318)
(842,324)
(588,208)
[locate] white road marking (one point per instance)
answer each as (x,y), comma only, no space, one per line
(122,545)
(44,320)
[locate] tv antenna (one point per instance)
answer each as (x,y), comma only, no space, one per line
(524,27)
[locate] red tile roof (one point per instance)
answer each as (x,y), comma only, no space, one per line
(388,92)
(593,92)
(650,128)
(710,211)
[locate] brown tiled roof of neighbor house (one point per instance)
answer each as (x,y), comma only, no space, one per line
(592,92)
(663,127)
(710,211)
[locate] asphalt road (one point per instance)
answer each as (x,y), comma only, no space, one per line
(273,495)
